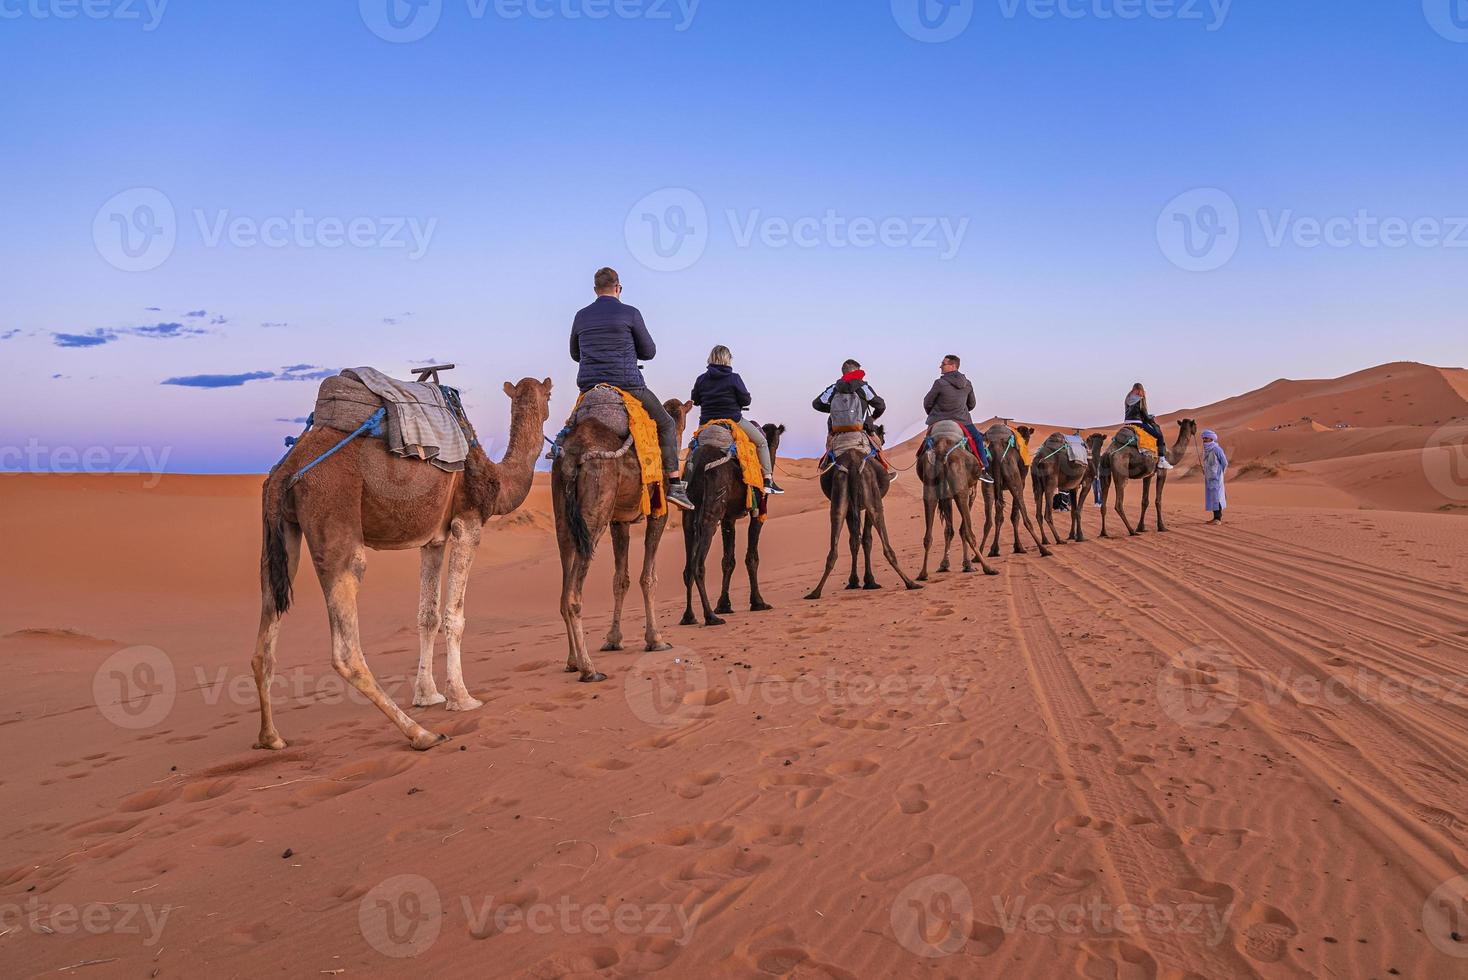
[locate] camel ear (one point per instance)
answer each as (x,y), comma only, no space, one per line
(509,389)
(688,408)
(548,385)
(780,429)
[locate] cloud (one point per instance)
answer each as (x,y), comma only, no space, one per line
(56,376)
(304,372)
(8,334)
(431,360)
(217,380)
(269,325)
(95,338)
(152,309)
(219,321)
(167,331)
(300,421)
(197,313)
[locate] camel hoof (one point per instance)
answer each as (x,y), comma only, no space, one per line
(426,740)
(991,571)
(1046,553)
(922,576)
(688,619)
(873,586)
(271,744)
(467,704)
(610,647)
(659,647)
(852,585)
(724,606)
(911,586)
(714,621)
(812,596)
(572,668)
(428,700)
(760,607)
(944,567)
(595,678)
(1163,530)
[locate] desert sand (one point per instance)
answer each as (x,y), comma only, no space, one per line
(1222,751)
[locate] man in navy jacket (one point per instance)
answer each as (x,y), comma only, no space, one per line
(608,338)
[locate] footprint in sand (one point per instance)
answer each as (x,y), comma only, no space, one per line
(912,798)
(1223,839)
(691,786)
(806,786)
(1061,881)
(1151,831)
(1116,958)
(1132,763)
(853,767)
(911,858)
(1265,933)
(1082,826)
(772,834)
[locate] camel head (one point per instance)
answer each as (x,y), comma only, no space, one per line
(879,432)
(532,394)
(772,436)
(1094,442)
(680,412)
(1187,430)
(1027,431)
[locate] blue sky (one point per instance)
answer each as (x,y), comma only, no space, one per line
(319,192)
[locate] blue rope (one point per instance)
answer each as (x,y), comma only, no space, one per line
(373,424)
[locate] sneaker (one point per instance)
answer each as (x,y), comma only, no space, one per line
(1163,464)
(678,495)
(772,488)
(985,478)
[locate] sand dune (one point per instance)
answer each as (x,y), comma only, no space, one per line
(1218,752)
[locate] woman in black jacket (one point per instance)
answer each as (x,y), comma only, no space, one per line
(719,393)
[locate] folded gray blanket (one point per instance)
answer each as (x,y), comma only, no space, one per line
(419,420)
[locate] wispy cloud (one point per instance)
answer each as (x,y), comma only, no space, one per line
(197,313)
(106,335)
(298,421)
(95,338)
(8,334)
(152,309)
(273,325)
(304,372)
(219,321)
(218,380)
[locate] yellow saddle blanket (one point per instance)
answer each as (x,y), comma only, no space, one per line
(645,444)
(744,450)
(1145,440)
(1021,444)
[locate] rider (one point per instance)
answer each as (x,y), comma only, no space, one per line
(951,399)
(853,406)
(608,338)
(720,394)
(1136,412)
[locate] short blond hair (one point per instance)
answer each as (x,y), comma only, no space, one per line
(721,355)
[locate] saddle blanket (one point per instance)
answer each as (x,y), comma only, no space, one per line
(1021,446)
(625,416)
(1145,440)
(723,433)
(420,421)
(1075,447)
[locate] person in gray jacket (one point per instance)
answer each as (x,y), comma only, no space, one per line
(951,399)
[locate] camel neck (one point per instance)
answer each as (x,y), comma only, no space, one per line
(517,466)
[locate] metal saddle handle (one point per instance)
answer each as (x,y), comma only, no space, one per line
(429,375)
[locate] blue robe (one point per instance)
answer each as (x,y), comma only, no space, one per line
(1215,466)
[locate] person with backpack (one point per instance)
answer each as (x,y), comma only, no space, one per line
(1137,414)
(608,338)
(853,405)
(952,399)
(720,393)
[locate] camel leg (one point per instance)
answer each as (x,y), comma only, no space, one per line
(702,545)
(649,582)
(966,534)
(1161,482)
(621,582)
(987,490)
(425,691)
(1107,478)
(870,581)
(930,507)
(1023,512)
(853,530)
(945,514)
(730,546)
(263,661)
(757,602)
(838,518)
(1119,481)
(1049,494)
(1077,533)
(690,541)
(1146,502)
(341,577)
(1038,486)
(462,549)
(998,521)
(878,516)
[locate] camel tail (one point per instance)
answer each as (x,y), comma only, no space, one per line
(274,558)
(575,523)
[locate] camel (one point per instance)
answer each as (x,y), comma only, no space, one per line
(364,497)
(716,486)
(1125,461)
(1010,473)
(855,485)
(596,484)
(1053,472)
(950,476)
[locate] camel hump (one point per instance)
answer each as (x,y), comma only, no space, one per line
(605,405)
(946,429)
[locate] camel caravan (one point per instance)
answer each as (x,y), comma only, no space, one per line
(389,465)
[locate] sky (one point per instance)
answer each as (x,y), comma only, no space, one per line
(211,206)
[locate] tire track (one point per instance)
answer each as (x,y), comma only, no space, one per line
(1101,794)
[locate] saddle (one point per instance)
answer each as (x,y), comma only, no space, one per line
(1141,438)
(625,417)
(842,442)
(726,435)
(423,420)
(1011,438)
(608,406)
(1073,446)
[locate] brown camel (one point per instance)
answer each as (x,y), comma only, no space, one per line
(1010,473)
(596,483)
(855,484)
(1124,461)
(716,486)
(950,476)
(364,497)
(1053,472)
